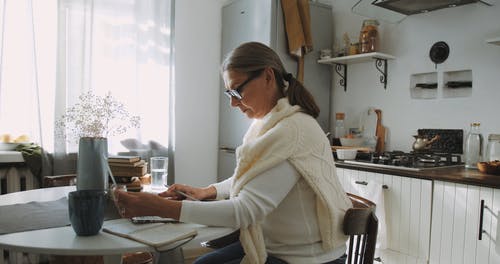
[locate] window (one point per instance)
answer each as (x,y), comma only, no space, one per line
(52,51)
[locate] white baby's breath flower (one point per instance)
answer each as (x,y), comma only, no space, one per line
(96,116)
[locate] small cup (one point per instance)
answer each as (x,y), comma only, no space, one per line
(159,171)
(325,54)
(354,49)
(116,187)
(86,211)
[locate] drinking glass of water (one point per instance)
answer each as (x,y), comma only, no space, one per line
(159,171)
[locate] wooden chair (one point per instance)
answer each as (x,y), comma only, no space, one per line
(361,225)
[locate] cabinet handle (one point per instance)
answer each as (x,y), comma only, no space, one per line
(481,213)
(366,183)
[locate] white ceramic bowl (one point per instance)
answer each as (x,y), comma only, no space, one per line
(346,154)
(8,146)
(352,142)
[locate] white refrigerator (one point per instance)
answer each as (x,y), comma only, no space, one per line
(262,21)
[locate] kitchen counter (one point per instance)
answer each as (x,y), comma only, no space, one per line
(456,175)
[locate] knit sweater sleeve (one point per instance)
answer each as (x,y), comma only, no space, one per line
(258,198)
(223,188)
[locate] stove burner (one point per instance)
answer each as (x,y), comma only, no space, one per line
(414,160)
(429,159)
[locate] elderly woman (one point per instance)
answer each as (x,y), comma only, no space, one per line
(284,194)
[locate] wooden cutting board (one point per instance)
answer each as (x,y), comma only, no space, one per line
(380,133)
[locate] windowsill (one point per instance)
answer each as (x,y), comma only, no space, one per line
(11,156)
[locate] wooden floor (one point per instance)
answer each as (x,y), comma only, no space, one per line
(190,254)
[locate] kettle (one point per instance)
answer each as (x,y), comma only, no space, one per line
(422,143)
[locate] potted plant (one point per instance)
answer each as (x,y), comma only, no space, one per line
(90,122)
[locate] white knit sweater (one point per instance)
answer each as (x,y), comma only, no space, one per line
(285,134)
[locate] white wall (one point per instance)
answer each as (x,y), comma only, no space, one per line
(465,29)
(197,44)
(197,58)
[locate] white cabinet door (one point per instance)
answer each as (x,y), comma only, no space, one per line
(459,235)
(408,206)
(406,213)
(494,232)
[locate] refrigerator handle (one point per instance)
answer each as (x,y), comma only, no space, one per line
(227,149)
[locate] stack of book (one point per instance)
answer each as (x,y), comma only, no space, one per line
(128,170)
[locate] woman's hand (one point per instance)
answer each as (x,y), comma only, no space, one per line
(174,192)
(132,204)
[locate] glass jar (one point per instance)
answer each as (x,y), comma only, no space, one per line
(354,49)
(493,147)
(473,146)
(368,37)
(339,125)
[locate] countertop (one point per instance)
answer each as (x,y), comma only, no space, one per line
(456,175)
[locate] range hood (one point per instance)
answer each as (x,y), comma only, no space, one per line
(411,7)
(394,11)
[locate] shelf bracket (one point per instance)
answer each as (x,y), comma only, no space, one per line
(381,65)
(343,78)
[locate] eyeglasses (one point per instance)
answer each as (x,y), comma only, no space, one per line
(236,92)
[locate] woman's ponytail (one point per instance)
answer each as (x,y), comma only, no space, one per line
(298,95)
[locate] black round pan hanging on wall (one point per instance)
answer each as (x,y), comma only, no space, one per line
(439,52)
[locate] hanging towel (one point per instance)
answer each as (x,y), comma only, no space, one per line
(298,31)
(32,155)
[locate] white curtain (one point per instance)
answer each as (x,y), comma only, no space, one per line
(27,69)
(54,50)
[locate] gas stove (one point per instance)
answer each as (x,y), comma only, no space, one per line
(411,161)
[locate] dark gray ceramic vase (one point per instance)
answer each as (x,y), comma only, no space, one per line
(86,211)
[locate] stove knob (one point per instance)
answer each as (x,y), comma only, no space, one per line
(411,161)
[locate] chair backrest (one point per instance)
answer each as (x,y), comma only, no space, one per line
(59,180)
(361,225)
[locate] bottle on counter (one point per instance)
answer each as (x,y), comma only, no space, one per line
(493,147)
(339,125)
(473,146)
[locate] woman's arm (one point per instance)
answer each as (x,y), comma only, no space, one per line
(147,204)
(176,192)
(130,204)
(223,188)
(258,198)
